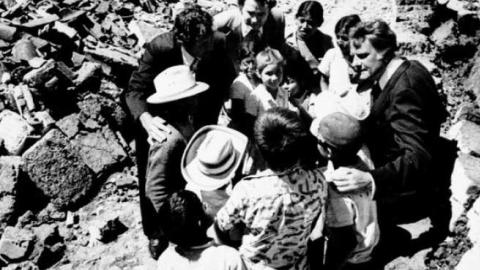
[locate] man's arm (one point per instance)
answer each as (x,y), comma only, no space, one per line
(140,87)
(411,135)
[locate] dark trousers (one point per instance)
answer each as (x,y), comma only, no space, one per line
(147,211)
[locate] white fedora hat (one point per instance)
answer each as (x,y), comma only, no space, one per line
(175,83)
(212,156)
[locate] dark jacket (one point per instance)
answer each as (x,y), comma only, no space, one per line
(215,69)
(230,23)
(403,131)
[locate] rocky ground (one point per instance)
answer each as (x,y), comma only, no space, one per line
(68,191)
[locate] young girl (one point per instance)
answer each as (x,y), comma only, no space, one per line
(247,104)
(336,69)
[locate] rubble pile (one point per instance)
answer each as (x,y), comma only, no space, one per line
(63,127)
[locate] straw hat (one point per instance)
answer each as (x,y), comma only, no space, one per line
(212,156)
(175,83)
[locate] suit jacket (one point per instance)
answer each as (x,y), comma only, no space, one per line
(403,131)
(230,23)
(215,69)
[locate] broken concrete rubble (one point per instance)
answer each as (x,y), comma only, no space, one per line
(57,169)
(100,150)
(16,244)
(9,184)
(107,230)
(14,131)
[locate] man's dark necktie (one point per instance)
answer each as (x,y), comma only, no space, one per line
(376,90)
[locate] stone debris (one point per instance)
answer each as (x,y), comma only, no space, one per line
(14,131)
(16,244)
(72,219)
(49,247)
(123,180)
(107,230)
(9,184)
(58,170)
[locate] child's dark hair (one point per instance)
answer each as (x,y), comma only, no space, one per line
(346,23)
(280,136)
(191,24)
(182,217)
(311,9)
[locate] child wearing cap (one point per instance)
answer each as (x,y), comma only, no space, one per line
(351,218)
(272,212)
(185,224)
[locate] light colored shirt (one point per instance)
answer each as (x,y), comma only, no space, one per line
(263,101)
(278,211)
(335,67)
(205,257)
(187,58)
(356,208)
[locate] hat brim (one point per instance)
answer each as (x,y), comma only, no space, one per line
(189,164)
(160,98)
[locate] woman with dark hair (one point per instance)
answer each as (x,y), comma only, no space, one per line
(308,39)
(403,135)
(337,72)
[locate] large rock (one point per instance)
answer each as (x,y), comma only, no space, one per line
(445,34)
(14,131)
(9,176)
(97,111)
(473,81)
(57,169)
(16,244)
(100,150)
(474,222)
(49,247)
(465,178)
(467,134)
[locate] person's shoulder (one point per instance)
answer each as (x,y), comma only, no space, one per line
(164,42)
(228,19)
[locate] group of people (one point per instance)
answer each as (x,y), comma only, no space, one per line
(258,149)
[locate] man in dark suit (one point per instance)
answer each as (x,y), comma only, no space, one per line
(191,42)
(412,162)
(250,28)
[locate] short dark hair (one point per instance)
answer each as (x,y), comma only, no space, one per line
(346,23)
(192,24)
(280,136)
(263,2)
(378,33)
(181,217)
(312,9)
